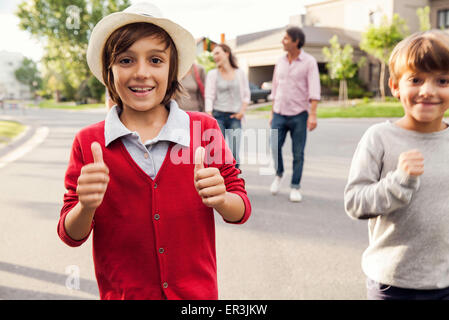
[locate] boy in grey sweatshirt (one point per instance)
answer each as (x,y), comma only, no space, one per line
(399,178)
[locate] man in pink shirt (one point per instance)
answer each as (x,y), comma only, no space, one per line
(296,92)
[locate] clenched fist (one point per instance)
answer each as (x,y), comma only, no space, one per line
(411,162)
(93,181)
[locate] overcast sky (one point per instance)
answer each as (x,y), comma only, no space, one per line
(207,18)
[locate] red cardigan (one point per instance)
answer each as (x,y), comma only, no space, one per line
(153,239)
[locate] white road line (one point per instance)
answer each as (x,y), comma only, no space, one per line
(39,137)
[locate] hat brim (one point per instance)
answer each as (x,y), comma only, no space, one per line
(183,40)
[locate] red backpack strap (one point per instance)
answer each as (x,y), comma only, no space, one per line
(198,80)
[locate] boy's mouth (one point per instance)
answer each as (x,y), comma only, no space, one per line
(141,89)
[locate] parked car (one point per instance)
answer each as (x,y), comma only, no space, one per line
(258,93)
(267,85)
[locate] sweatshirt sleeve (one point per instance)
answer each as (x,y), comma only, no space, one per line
(219,155)
(244,83)
(210,90)
(76,162)
(367,194)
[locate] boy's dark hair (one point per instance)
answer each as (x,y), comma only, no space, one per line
(295,33)
(123,38)
(426,51)
(232,59)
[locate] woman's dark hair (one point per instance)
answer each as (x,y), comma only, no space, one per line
(123,38)
(295,33)
(232,59)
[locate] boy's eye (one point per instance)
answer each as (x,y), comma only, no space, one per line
(155,60)
(443,81)
(415,80)
(125,61)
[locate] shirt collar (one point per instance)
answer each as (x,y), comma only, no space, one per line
(300,56)
(176,129)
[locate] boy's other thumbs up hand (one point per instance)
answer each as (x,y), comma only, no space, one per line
(208,181)
(93,180)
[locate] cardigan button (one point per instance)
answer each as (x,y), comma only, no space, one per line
(161,250)
(165,285)
(155,185)
(157,216)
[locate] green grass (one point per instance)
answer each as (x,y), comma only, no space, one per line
(373,109)
(9,130)
(363,110)
(51,104)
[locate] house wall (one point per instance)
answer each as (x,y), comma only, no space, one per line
(348,14)
(407,10)
(436,5)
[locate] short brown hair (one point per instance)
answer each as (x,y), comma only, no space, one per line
(123,38)
(426,51)
(295,33)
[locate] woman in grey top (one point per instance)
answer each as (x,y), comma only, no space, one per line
(227,95)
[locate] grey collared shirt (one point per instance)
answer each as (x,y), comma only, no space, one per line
(151,154)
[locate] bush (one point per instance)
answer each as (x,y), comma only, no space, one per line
(96,88)
(356,89)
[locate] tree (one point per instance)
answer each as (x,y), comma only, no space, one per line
(28,74)
(206,60)
(379,41)
(424,18)
(65,27)
(341,65)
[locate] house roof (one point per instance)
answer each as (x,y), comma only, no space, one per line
(315,36)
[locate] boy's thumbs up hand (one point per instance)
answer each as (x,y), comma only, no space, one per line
(208,181)
(93,180)
(96,152)
(199,158)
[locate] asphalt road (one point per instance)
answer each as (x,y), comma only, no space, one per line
(308,250)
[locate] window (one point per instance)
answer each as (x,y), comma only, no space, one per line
(443,19)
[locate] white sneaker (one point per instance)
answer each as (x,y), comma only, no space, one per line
(276,185)
(295,195)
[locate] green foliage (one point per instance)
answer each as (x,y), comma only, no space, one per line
(206,60)
(65,26)
(28,74)
(96,88)
(356,89)
(380,40)
(424,18)
(340,62)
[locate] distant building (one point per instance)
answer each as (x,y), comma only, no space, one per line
(258,52)
(10,87)
(204,44)
(358,14)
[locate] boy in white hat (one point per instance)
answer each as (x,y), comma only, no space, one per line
(146,180)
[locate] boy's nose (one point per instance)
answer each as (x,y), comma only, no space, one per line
(142,70)
(427,89)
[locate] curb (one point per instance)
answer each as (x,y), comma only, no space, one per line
(17,140)
(23,143)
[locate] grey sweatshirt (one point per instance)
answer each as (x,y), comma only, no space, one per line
(408,216)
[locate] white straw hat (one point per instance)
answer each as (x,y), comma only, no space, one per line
(139,12)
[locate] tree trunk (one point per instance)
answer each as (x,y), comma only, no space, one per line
(343,92)
(382,80)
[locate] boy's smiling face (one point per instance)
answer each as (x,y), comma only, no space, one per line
(141,74)
(425,98)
